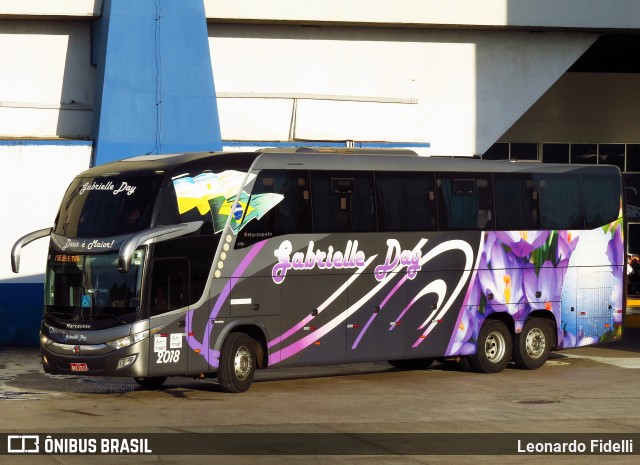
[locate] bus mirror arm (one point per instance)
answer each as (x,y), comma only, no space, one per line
(24,240)
(160,233)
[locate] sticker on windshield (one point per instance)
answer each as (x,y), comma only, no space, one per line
(86,301)
(137,258)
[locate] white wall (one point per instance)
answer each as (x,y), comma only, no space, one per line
(33,178)
(410,13)
(620,14)
(47,82)
(457,90)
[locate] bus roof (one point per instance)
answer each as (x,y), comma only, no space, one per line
(343,159)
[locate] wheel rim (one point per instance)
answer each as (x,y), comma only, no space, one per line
(495,347)
(535,343)
(242,363)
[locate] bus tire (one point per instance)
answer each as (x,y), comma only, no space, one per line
(412,364)
(532,345)
(237,363)
(493,351)
(151,382)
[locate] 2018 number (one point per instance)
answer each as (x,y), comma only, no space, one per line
(168,356)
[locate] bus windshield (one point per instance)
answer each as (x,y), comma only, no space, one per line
(89,288)
(107,206)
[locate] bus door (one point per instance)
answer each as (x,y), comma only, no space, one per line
(374,331)
(169,292)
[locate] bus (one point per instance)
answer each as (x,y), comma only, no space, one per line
(219,264)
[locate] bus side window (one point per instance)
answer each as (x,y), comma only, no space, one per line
(516,200)
(406,201)
(291,213)
(168,207)
(601,194)
(560,215)
(464,201)
(342,201)
(169,285)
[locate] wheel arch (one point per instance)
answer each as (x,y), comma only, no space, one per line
(253,329)
(505,318)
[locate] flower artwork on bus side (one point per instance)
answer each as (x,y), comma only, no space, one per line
(524,271)
(216,193)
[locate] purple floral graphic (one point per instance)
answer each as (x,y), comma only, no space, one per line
(524,271)
(501,279)
(522,243)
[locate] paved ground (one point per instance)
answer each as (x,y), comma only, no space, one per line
(587,390)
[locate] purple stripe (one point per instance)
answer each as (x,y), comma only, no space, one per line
(357,341)
(384,302)
(295,328)
(393,291)
(235,277)
(212,355)
(399,317)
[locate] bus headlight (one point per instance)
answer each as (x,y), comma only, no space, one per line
(128,340)
(44,340)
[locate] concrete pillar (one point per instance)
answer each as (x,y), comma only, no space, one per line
(154,86)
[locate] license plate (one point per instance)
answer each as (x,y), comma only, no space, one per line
(79,367)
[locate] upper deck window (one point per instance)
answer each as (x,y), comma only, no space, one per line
(107,206)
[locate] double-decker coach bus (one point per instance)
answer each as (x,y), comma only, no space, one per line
(218,264)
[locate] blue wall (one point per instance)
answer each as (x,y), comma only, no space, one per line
(154,90)
(20,313)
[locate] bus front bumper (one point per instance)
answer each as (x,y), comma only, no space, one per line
(95,360)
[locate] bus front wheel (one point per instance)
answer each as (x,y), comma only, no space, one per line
(493,351)
(532,345)
(237,363)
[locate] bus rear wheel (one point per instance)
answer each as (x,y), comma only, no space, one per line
(412,364)
(237,363)
(532,345)
(493,349)
(151,381)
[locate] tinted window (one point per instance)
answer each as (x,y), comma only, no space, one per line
(342,201)
(584,154)
(555,153)
(169,285)
(498,151)
(107,206)
(464,201)
(560,201)
(279,204)
(524,151)
(601,199)
(611,154)
(516,198)
(632,193)
(194,253)
(406,202)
